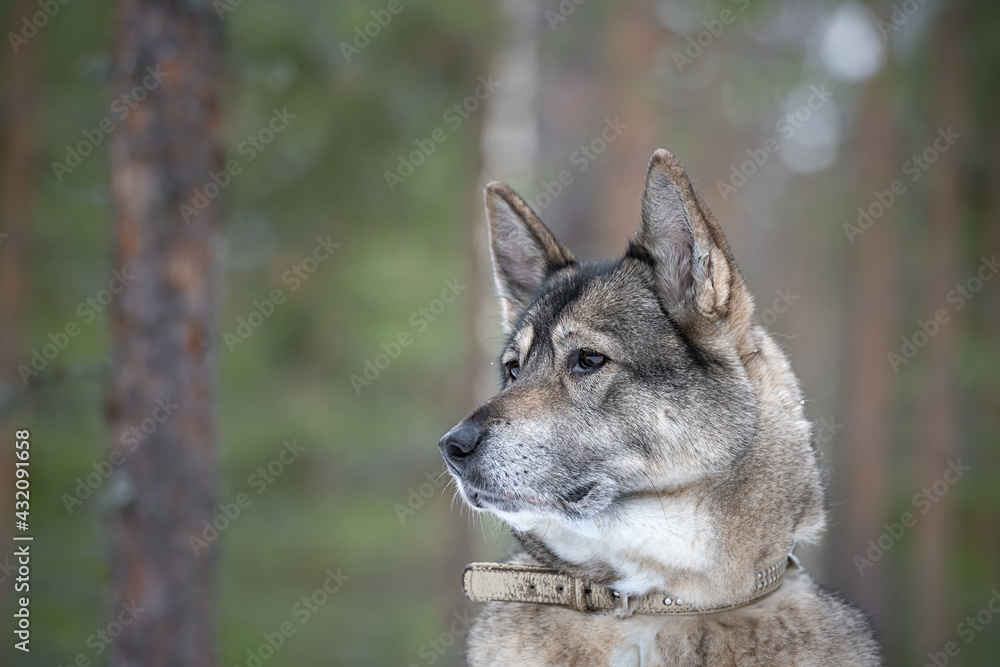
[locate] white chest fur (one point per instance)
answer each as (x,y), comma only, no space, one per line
(656,538)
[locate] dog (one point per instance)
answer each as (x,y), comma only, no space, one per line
(650,452)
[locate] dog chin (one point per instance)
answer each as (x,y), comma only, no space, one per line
(526,511)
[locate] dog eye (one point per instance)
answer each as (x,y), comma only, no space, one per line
(513,368)
(588,360)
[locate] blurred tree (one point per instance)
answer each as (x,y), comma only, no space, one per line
(635,37)
(869,382)
(509,149)
(939,436)
(163,330)
(17,176)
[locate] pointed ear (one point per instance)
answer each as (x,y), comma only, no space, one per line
(524,251)
(694,267)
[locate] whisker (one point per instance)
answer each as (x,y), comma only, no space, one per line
(657,492)
(444,488)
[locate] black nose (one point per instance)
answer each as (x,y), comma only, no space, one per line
(458,443)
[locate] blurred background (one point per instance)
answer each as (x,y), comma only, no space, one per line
(850,151)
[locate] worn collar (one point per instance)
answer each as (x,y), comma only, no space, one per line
(536,584)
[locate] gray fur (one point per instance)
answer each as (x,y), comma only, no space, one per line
(682,464)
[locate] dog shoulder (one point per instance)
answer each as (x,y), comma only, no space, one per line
(802,623)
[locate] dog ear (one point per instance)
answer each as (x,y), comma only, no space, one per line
(694,267)
(524,251)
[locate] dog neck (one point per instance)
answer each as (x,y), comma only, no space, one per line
(632,557)
(668,545)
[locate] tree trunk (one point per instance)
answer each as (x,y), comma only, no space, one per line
(868,403)
(16,181)
(509,151)
(163,333)
(18,170)
(634,38)
(939,438)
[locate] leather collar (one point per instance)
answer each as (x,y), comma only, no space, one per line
(536,584)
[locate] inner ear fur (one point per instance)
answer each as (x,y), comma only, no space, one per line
(524,252)
(696,273)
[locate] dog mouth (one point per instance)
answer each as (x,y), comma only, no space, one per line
(486,500)
(580,493)
(572,501)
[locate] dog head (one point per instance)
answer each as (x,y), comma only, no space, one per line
(627,380)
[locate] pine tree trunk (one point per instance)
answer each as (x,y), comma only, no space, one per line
(868,401)
(17,171)
(634,37)
(938,430)
(163,333)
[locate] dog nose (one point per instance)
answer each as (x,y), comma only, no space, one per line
(458,443)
